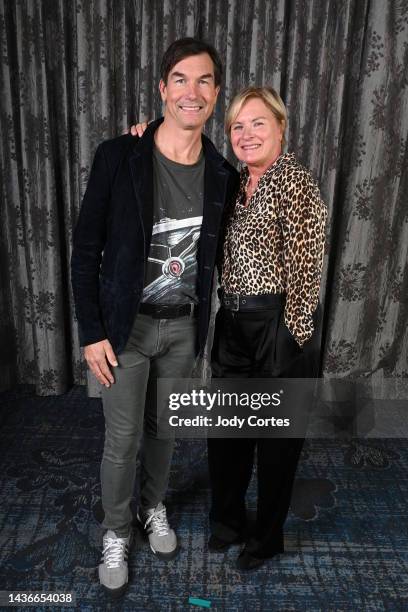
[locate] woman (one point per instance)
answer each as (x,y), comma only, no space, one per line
(266,326)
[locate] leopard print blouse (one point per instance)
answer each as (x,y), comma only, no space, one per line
(275,244)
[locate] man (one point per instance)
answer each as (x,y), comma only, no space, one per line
(142,268)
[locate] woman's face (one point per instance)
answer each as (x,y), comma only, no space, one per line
(256,135)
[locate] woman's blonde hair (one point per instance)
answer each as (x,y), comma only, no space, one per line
(269,97)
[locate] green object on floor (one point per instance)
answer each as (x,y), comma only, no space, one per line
(204,603)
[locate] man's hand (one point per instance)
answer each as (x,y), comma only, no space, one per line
(97,356)
(139,129)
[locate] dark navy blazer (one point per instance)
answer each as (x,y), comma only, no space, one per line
(113,234)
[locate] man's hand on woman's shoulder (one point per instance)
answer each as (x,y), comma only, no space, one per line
(137,129)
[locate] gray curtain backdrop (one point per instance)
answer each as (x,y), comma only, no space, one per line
(75,72)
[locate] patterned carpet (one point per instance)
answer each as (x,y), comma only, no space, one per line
(346,536)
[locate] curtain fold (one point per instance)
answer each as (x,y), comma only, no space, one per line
(75,73)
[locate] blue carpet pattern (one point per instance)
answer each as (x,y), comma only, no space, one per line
(346,536)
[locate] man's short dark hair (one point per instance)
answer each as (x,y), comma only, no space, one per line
(185,47)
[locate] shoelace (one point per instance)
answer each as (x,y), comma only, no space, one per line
(114,551)
(159,522)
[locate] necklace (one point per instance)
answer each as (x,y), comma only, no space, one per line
(249,191)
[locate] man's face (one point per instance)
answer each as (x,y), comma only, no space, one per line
(190,93)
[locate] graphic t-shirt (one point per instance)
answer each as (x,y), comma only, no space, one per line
(171,269)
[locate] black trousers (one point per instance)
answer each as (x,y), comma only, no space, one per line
(256,345)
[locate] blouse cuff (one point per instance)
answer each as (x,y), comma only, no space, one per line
(301,328)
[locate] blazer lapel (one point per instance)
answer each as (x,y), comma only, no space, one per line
(215,193)
(141,170)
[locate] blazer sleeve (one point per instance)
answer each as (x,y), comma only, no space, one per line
(88,244)
(303,219)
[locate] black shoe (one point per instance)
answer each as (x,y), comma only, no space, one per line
(247,562)
(216,544)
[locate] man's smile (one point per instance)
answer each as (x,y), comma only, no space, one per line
(190,108)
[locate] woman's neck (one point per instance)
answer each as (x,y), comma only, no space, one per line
(255,172)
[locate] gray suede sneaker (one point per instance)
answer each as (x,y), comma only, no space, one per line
(162,539)
(113,570)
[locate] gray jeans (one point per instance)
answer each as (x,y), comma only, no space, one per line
(157,348)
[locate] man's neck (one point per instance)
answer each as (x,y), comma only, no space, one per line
(182,146)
